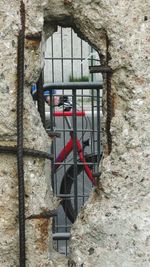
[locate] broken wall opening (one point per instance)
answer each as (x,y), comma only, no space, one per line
(125,177)
(67,61)
(96,95)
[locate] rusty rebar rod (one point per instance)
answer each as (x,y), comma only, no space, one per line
(105,69)
(20,163)
(109,113)
(26,152)
(100,69)
(109,100)
(47,214)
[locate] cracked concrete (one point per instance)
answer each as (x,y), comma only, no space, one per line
(114,227)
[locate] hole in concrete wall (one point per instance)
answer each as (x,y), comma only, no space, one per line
(68,57)
(67,60)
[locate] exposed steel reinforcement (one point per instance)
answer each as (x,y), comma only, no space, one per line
(26,152)
(108,71)
(20,163)
(105,69)
(109,113)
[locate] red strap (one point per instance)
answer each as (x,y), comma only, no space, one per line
(68,113)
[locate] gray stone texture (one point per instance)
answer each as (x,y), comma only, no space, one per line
(114,227)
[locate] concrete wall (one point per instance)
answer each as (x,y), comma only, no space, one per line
(114,227)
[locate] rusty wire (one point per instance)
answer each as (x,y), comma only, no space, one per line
(108,71)
(20,162)
(109,99)
(26,152)
(109,113)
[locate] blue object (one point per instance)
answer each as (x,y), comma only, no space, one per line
(51,92)
(46,93)
(34,91)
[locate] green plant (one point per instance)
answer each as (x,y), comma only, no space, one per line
(78,79)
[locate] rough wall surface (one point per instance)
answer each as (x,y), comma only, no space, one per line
(114,227)
(38,195)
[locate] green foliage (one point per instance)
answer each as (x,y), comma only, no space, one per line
(78,79)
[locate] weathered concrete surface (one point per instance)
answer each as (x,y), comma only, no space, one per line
(114,227)
(38,194)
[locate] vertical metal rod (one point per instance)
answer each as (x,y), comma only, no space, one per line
(52,51)
(64,144)
(62,55)
(82,95)
(109,101)
(109,113)
(51,112)
(41,102)
(20,161)
(92,74)
(93,123)
(72,53)
(64,125)
(52,129)
(66,245)
(83,176)
(92,104)
(75,152)
(81,58)
(53,175)
(98,127)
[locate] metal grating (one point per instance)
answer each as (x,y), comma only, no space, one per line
(80,133)
(67,62)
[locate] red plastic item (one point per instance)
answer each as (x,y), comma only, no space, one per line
(68,113)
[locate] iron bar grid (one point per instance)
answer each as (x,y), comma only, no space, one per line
(69,58)
(73,85)
(85,96)
(81,128)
